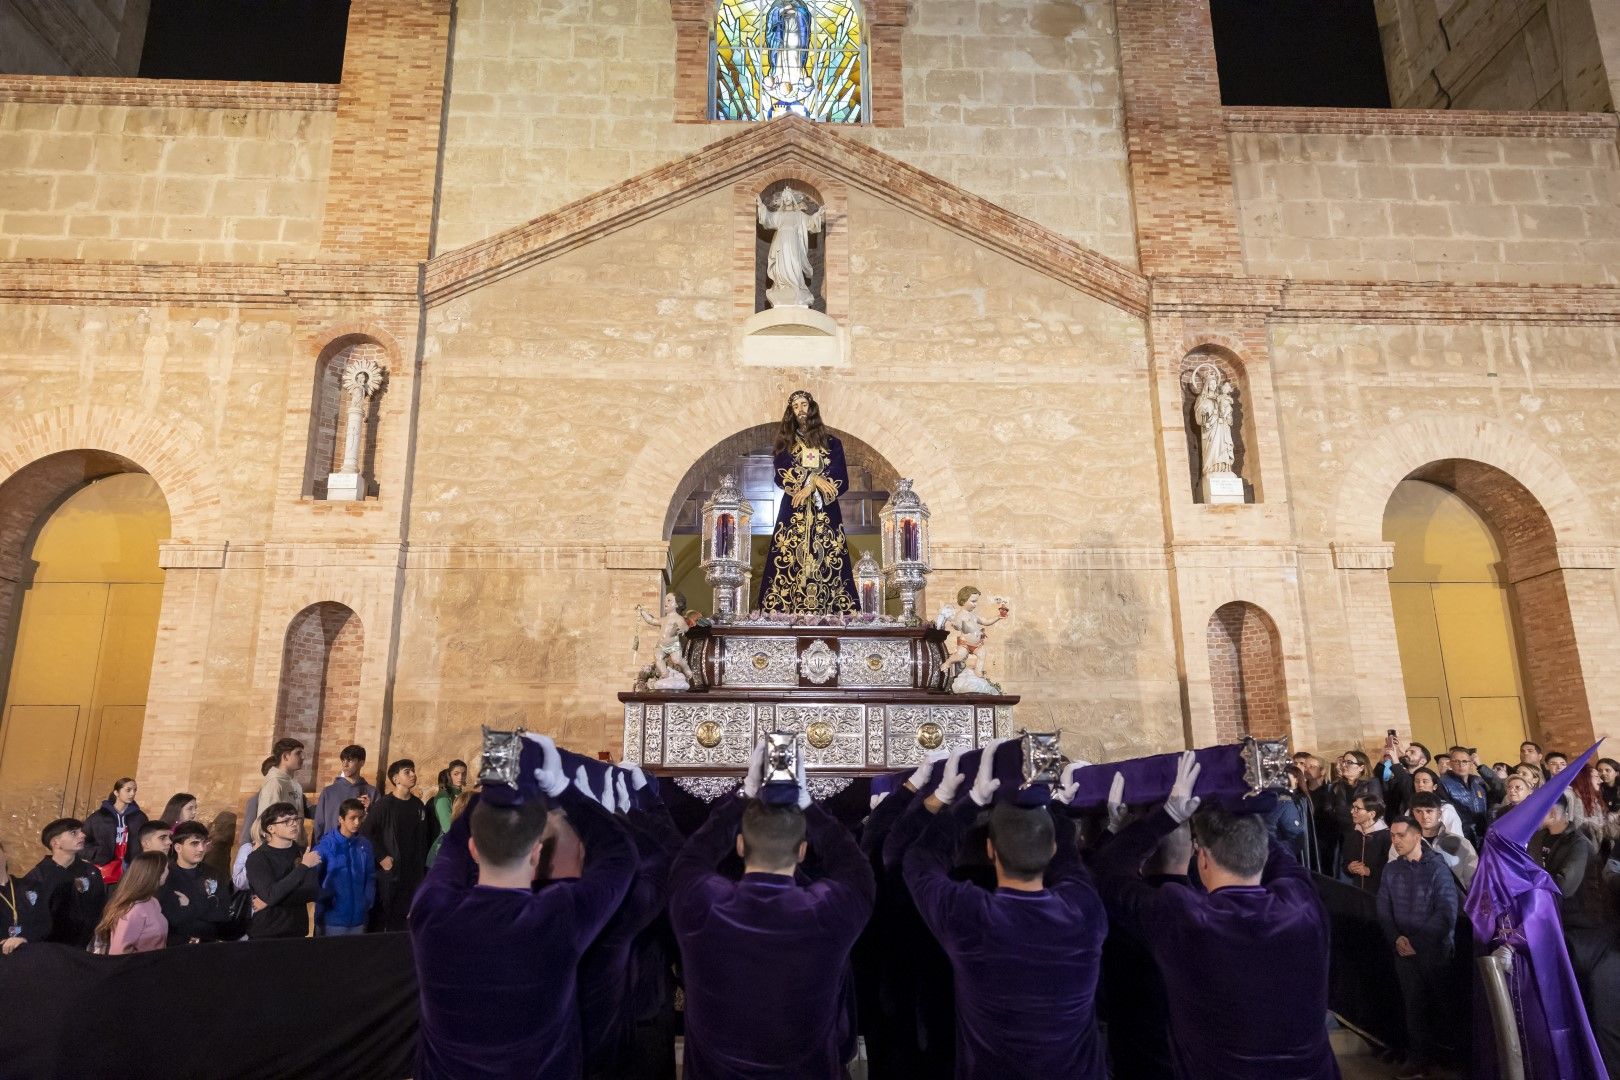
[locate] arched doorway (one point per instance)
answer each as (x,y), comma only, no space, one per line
(319,693)
(747,456)
(1492,658)
(1247,689)
(80,592)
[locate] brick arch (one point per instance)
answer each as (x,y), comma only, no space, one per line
(317,698)
(656,473)
(1248,690)
(173,455)
(1391,454)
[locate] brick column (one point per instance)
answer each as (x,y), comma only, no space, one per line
(178,691)
(385,140)
(1375,653)
(1181,175)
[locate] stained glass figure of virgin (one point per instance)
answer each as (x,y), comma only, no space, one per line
(778,57)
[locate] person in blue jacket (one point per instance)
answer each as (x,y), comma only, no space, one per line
(349,875)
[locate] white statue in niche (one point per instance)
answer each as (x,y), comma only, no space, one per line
(362,377)
(1213,412)
(788,262)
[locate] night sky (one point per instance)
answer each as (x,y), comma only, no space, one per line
(1270,52)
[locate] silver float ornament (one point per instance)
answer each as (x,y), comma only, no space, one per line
(782,757)
(1265,762)
(1043,758)
(502,753)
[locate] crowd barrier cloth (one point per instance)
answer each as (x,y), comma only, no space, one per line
(243,1010)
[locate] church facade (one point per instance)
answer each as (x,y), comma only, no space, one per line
(536,224)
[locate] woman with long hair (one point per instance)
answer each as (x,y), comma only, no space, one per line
(112,830)
(133,920)
(181,807)
(452,781)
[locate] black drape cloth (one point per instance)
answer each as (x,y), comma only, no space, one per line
(271,1009)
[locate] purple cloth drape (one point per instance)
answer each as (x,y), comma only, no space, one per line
(1514,902)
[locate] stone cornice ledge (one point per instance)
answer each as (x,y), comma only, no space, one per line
(72,89)
(817,149)
(1283,299)
(168,93)
(1309,121)
(254,285)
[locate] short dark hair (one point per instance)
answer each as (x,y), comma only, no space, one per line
(1419,746)
(1408,820)
(57,828)
(1374,805)
(149,828)
(1024,838)
(505,834)
(772,834)
(1556,753)
(187,829)
(1430,772)
(274,811)
(352,752)
(283,747)
(1237,843)
(402,763)
(1426,800)
(1530,742)
(351,806)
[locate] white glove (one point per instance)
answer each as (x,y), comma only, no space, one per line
(920,775)
(804,788)
(1068,786)
(950,780)
(1117,814)
(985,784)
(582,780)
(754,778)
(873,803)
(550,774)
(609,803)
(638,779)
(1182,802)
(624,793)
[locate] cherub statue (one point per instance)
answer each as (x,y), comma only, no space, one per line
(966,641)
(669,666)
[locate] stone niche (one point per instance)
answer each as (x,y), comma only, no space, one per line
(794,337)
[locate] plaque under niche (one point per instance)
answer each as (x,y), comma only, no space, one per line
(792,337)
(1225,487)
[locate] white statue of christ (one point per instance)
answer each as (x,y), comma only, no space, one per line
(788,262)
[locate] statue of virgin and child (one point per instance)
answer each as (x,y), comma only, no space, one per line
(808,568)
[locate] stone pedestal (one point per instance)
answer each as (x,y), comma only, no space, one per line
(793,337)
(345,487)
(1223,487)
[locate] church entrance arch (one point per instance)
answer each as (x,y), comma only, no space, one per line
(80,591)
(747,456)
(1482,616)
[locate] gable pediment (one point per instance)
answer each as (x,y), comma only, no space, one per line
(788,142)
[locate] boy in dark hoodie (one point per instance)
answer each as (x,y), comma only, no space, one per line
(69,886)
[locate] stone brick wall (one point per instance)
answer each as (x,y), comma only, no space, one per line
(1348,196)
(320,684)
(1019,103)
(111,171)
(1494,54)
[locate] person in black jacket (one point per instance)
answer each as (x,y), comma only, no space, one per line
(1365,851)
(397,824)
(283,876)
(23,914)
(112,830)
(69,886)
(1417,910)
(195,899)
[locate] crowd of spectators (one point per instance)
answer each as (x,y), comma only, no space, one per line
(121,882)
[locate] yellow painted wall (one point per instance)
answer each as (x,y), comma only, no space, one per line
(1454,624)
(76,696)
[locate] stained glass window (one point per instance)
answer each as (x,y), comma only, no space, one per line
(775,57)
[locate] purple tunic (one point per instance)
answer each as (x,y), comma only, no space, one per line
(496,967)
(765,958)
(1245,969)
(1026,963)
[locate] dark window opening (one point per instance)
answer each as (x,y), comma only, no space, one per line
(246,40)
(1324,53)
